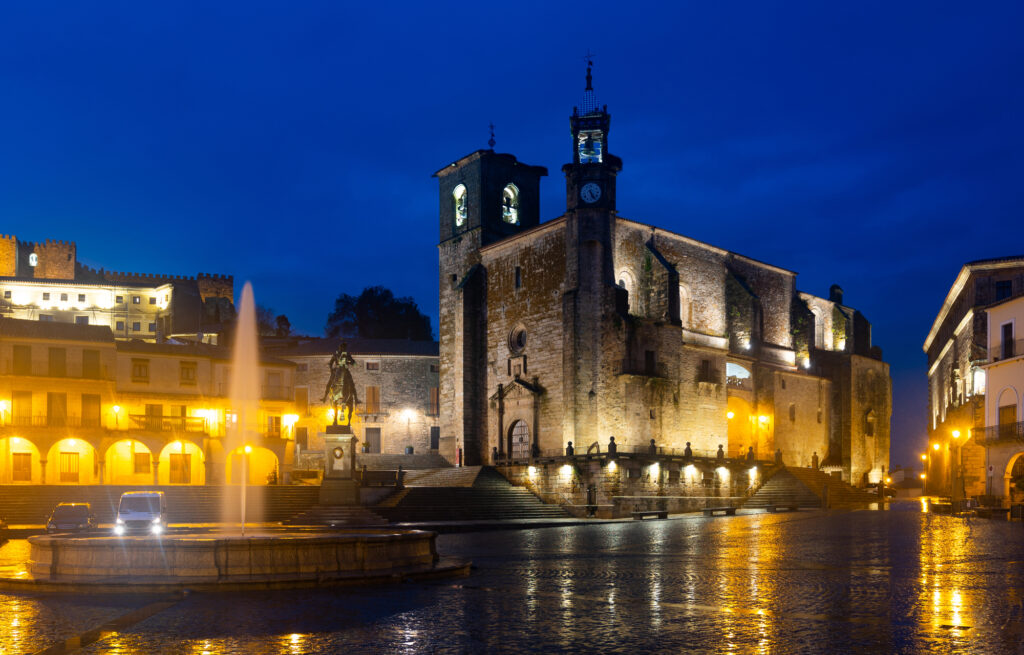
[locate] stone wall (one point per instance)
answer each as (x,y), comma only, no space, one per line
(405,382)
(613,490)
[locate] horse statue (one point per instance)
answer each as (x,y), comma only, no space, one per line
(341,390)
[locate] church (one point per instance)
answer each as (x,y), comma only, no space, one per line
(592,325)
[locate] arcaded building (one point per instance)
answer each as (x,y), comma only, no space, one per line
(79,407)
(593,325)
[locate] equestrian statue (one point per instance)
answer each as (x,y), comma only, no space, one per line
(341,390)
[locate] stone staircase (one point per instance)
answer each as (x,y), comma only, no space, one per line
(466,494)
(337,515)
(805,487)
(32,504)
(463,476)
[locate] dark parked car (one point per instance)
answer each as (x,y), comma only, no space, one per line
(71,517)
(890,492)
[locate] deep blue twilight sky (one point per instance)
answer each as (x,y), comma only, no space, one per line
(877,145)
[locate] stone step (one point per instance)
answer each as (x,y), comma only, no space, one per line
(337,515)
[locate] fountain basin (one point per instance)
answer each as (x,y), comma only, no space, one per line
(206,562)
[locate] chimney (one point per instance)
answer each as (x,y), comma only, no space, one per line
(835,294)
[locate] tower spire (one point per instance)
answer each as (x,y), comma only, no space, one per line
(589,99)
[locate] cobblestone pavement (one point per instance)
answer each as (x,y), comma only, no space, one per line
(897,581)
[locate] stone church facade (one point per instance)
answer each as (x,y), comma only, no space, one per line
(592,325)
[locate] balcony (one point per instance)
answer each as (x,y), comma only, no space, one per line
(1006,350)
(995,434)
(276,392)
(168,423)
(55,422)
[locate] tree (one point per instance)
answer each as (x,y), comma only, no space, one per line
(265,326)
(284,326)
(377,314)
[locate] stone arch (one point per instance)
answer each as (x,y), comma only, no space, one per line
(626,280)
(262,465)
(740,420)
(510,204)
(819,327)
(1014,460)
(71,461)
(181,462)
(21,461)
(459,205)
(685,306)
(128,461)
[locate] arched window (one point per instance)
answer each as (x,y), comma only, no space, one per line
(510,204)
(685,306)
(819,328)
(628,282)
(459,205)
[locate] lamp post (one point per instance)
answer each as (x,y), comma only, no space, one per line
(245,480)
(117,416)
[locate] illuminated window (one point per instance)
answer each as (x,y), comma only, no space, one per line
(373,366)
(510,204)
(136,300)
(119,299)
(46,295)
(81,297)
(459,205)
(119,326)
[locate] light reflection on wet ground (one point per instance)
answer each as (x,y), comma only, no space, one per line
(888,582)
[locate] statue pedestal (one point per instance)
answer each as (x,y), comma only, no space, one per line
(339,486)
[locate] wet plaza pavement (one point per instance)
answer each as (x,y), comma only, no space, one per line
(896,581)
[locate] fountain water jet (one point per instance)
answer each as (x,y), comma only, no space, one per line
(242,428)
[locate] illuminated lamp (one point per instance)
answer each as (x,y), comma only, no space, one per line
(956,434)
(935,446)
(247,449)
(730,414)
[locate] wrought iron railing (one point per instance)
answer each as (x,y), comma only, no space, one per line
(994,434)
(168,423)
(44,421)
(1006,350)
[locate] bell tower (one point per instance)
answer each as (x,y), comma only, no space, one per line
(590,178)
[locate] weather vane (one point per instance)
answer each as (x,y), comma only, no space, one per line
(491,141)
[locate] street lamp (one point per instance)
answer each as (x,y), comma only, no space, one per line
(117,416)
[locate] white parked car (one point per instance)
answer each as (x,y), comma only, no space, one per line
(141,511)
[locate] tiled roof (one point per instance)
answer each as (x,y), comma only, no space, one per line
(221,353)
(17,328)
(312,346)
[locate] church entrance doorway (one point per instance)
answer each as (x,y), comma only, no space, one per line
(519,441)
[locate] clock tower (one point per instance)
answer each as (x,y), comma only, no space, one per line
(590,178)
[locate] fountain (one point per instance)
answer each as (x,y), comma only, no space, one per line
(229,559)
(244,391)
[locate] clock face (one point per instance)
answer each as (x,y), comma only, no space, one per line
(591,192)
